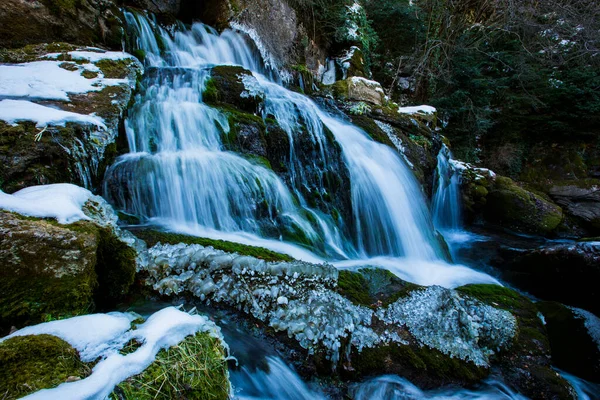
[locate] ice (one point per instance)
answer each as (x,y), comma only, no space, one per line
(46,80)
(92,335)
(13,111)
(299,298)
(457,326)
(162,330)
(62,201)
(95,56)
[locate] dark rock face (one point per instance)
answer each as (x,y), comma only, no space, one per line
(84,22)
(565,273)
(233,86)
(574,349)
(582,203)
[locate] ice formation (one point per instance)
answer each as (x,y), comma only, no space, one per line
(104,335)
(460,327)
(298,298)
(389,131)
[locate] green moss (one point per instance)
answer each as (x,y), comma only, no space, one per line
(340,90)
(61,7)
(373,287)
(31,363)
(211,93)
(128,218)
(115,69)
(498,296)
(152,237)
(89,74)
(516,208)
(368,125)
(193,369)
(420,364)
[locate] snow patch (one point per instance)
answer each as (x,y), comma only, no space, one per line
(46,80)
(13,111)
(62,201)
(417,110)
(162,330)
(591,322)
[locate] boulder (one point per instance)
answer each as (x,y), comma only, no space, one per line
(515,208)
(234,87)
(84,22)
(361,90)
(574,338)
(582,202)
(47,270)
(568,273)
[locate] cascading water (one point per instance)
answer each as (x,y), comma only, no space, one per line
(446,203)
(179,174)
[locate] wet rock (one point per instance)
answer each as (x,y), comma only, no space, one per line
(84,22)
(574,338)
(567,273)
(233,86)
(580,202)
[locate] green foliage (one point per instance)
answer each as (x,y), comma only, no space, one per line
(32,363)
(151,237)
(195,369)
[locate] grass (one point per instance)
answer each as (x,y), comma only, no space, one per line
(152,237)
(193,369)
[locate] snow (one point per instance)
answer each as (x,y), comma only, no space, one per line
(46,80)
(92,335)
(95,56)
(162,330)
(357,80)
(13,111)
(62,201)
(417,110)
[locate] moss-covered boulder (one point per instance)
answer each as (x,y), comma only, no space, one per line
(525,365)
(85,22)
(49,270)
(513,207)
(574,339)
(194,369)
(32,363)
(567,273)
(233,86)
(373,287)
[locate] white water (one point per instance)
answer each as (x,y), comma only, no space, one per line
(446,203)
(179,175)
(395,388)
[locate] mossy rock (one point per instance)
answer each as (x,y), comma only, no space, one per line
(424,366)
(152,237)
(525,364)
(373,287)
(45,270)
(50,271)
(573,348)
(226,86)
(195,369)
(32,363)
(515,208)
(246,133)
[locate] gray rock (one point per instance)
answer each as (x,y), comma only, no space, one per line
(580,202)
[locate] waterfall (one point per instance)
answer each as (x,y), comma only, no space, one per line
(446,204)
(179,174)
